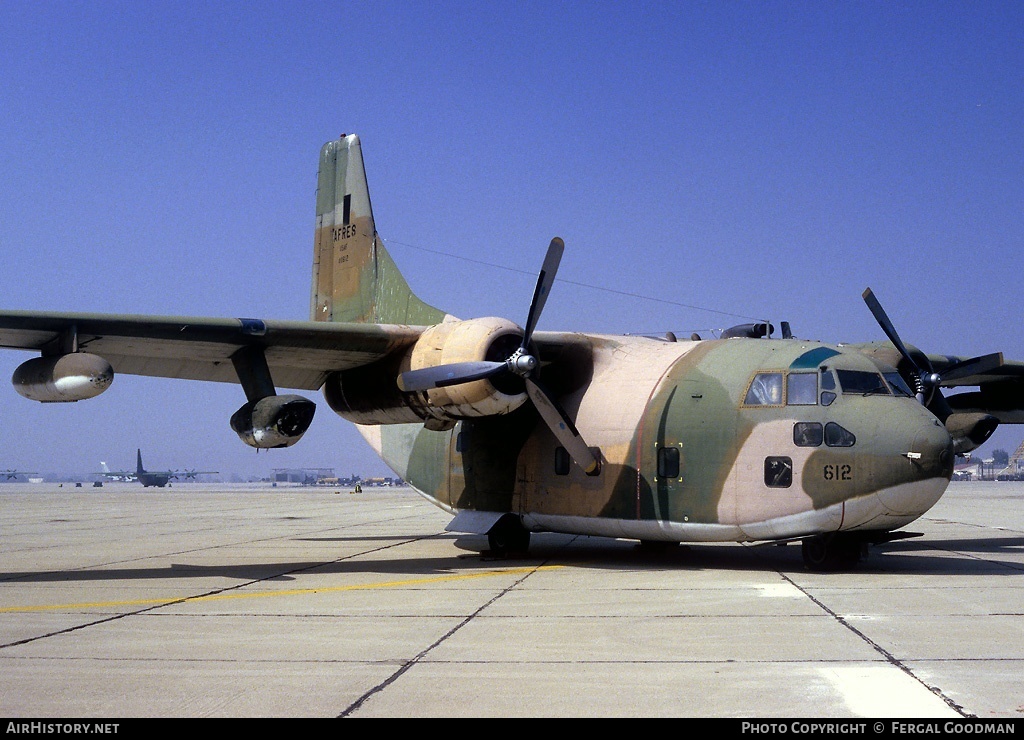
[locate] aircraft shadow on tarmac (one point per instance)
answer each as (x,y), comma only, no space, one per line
(902,556)
(580,551)
(381,538)
(990,545)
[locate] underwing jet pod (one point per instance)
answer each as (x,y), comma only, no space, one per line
(515,430)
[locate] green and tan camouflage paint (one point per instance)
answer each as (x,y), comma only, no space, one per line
(354,277)
(639,395)
(646,395)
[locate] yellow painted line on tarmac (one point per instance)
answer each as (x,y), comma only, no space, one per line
(260,594)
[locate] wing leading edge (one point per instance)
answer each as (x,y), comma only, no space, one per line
(299,354)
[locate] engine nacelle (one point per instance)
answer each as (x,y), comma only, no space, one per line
(274,421)
(970,431)
(63,378)
(370,394)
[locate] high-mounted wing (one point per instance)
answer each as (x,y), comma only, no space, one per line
(81,353)
(1000,391)
(300,354)
(957,371)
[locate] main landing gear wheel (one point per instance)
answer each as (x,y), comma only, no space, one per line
(508,537)
(657,547)
(831,552)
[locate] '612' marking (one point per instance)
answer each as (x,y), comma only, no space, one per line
(838,472)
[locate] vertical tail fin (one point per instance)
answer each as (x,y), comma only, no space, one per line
(140,470)
(354,277)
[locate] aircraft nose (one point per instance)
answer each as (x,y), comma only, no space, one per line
(926,466)
(935,446)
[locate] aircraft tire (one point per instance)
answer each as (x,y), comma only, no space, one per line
(657,547)
(508,537)
(831,553)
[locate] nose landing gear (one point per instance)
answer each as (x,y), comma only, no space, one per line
(833,552)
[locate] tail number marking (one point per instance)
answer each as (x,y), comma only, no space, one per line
(838,472)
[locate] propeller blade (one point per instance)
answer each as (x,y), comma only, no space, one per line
(444,375)
(561,426)
(890,331)
(974,366)
(544,282)
(927,383)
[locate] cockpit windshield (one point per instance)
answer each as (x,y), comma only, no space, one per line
(862,382)
(801,388)
(898,385)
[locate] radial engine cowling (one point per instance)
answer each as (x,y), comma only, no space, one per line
(469,341)
(370,394)
(63,378)
(274,421)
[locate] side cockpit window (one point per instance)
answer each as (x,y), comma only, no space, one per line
(808,434)
(765,390)
(837,436)
(812,434)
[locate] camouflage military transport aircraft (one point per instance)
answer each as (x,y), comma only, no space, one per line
(743,438)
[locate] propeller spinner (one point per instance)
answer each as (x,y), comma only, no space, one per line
(521,364)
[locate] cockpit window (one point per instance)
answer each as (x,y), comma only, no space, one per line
(802,389)
(807,434)
(864,383)
(898,385)
(837,436)
(765,390)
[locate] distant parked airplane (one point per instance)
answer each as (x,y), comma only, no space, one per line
(13,474)
(106,472)
(191,474)
(158,478)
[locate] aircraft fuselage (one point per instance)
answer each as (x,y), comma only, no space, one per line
(148,479)
(717,440)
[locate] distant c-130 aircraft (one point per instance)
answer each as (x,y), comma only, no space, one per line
(147,478)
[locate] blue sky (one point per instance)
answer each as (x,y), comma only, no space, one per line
(705,163)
